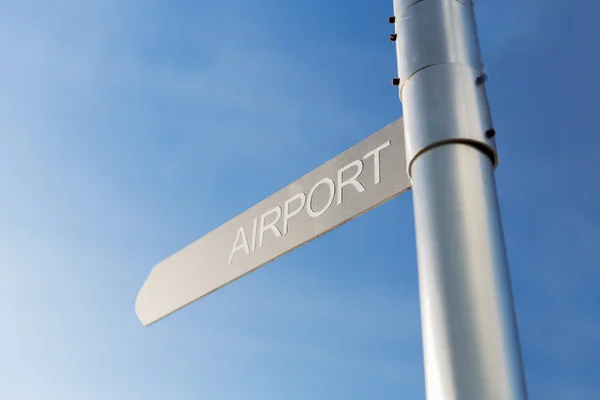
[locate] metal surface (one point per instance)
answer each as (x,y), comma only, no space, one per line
(471,347)
(470,340)
(438,65)
(361,178)
(418,21)
(456,110)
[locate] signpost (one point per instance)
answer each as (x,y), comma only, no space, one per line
(356,181)
(470,339)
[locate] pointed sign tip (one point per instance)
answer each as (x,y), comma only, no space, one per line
(139,309)
(145,309)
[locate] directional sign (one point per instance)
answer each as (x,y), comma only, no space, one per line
(358,180)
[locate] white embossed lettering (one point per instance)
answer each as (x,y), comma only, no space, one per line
(376,160)
(253,246)
(351,181)
(329,183)
(241,234)
(286,209)
(270,226)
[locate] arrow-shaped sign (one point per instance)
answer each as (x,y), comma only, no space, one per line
(358,180)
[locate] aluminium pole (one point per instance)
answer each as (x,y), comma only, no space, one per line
(470,339)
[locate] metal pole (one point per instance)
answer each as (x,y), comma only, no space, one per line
(470,340)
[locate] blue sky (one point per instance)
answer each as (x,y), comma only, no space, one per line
(130,129)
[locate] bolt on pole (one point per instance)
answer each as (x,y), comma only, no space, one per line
(470,338)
